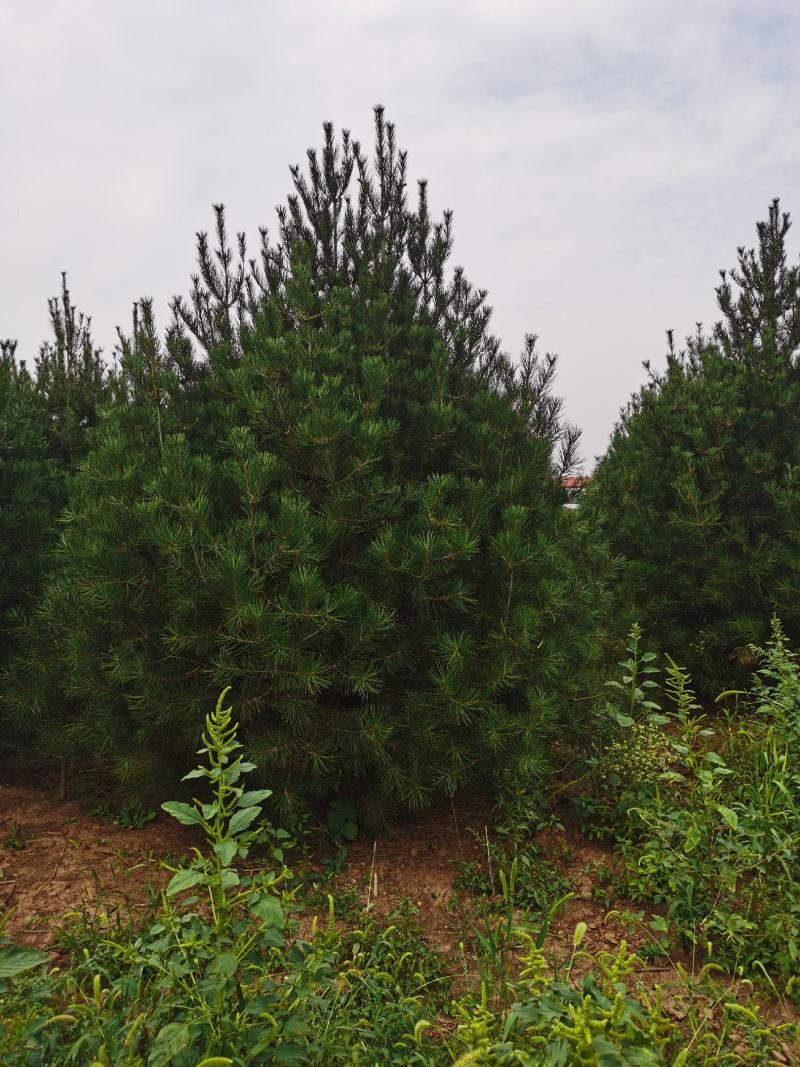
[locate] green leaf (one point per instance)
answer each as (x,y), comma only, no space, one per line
(623,720)
(198,772)
(267,908)
(296,1025)
(729,815)
(671,776)
(228,877)
(14,959)
(225,964)
(256,796)
(289,1052)
(170,1041)
(184,879)
(184,813)
(658,719)
(241,819)
(226,850)
(692,839)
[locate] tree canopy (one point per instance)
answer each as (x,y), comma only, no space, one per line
(327,485)
(699,490)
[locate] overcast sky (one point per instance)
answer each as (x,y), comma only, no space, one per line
(603,158)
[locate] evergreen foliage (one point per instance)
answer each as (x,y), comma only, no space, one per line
(700,488)
(330,488)
(45,430)
(27,496)
(72,380)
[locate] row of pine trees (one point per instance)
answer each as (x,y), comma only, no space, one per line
(326,484)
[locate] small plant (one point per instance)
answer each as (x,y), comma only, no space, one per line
(637,759)
(135,816)
(497,931)
(538,883)
(15,839)
(227,822)
(638,679)
(102,813)
(631,749)
(520,814)
(343,819)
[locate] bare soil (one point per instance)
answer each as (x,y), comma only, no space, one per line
(70,863)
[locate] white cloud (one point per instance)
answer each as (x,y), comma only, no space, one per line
(603,157)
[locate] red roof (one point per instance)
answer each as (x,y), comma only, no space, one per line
(575,481)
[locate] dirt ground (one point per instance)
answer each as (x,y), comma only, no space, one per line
(70,863)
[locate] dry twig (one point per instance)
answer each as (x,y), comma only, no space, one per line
(55,870)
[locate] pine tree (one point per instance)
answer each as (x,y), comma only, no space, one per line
(330,488)
(47,427)
(72,380)
(700,488)
(27,492)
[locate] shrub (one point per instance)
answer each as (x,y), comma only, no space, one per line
(699,490)
(346,502)
(713,837)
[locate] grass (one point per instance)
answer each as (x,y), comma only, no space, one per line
(683,952)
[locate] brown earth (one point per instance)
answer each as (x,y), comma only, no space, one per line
(70,863)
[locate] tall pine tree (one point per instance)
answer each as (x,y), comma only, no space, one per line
(28,491)
(47,424)
(332,489)
(700,488)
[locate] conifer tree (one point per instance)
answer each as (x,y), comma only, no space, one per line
(47,426)
(700,488)
(72,380)
(27,491)
(330,488)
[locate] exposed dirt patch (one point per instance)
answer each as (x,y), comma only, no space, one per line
(419,862)
(71,862)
